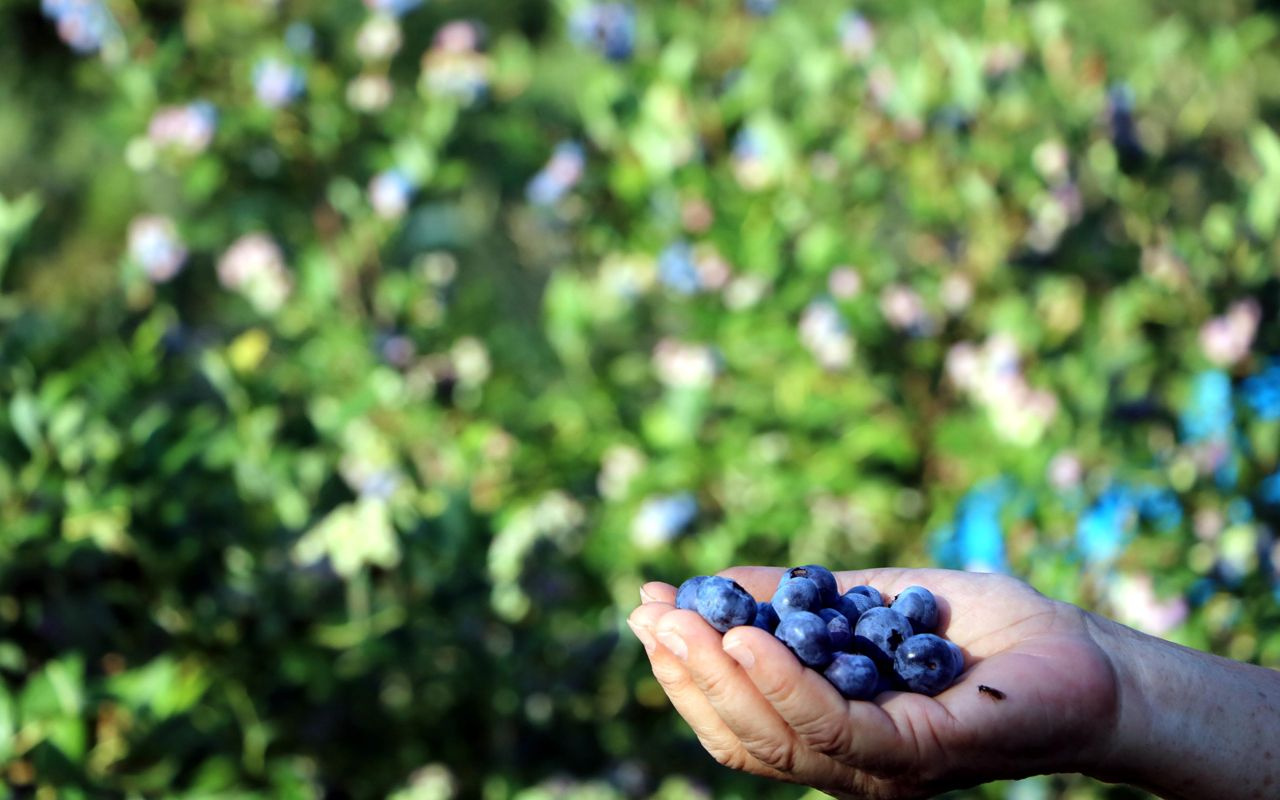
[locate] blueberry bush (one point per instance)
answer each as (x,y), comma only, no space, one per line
(359,360)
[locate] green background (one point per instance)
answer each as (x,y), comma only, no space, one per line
(200,598)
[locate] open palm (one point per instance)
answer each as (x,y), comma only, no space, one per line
(756,708)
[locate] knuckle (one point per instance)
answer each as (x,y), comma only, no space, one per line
(731,757)
(715,685)
(672,676)
(780,754)
(724,748)
(908,733)
(873,788)
(779,690)
(826,736)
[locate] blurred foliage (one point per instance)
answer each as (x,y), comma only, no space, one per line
(359,361)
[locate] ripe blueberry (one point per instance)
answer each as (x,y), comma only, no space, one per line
(918,605)
(796,594)
(926,664)
(869,592)
(957,656)
(806,634)
(766,617)
(854,676)
(725,604)
(821,576)
(838,628)
(883,629)
(687,594)
(853,605)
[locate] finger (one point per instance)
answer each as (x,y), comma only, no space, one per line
(657,592)
(888,580)
(859,734)
(728,690)
(689,701)
(761,582)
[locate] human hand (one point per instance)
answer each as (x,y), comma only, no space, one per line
(756,708)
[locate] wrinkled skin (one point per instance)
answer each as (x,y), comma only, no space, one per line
(780,720)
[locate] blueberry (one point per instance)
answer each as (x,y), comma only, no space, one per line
(848,609)
(821,576)
(838,628)
(826,581)
(956,656)
(869,592)
(829,614)
(687,594)
(725,604)
(853,605)
(926,663)
(856,677)
(883,630)
(796,594)
(766,617)
(889,680)
(918,605)
(806,634)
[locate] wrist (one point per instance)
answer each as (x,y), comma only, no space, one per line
(1185,719)
(1123,750)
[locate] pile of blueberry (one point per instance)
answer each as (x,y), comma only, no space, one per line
(862,646)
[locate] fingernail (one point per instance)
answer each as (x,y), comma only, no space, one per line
(675,644)
(645,597)
(741,653)
(645,637)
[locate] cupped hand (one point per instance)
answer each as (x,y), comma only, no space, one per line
(755,708)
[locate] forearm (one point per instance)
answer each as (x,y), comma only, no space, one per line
(1192,725)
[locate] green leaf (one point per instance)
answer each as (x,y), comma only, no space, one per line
(12,657)
(1266,146)
(1264,207)
(69,735)
(15,217)
(163,685)
(24,418)
(8,724)
(55,693)
(351,537)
